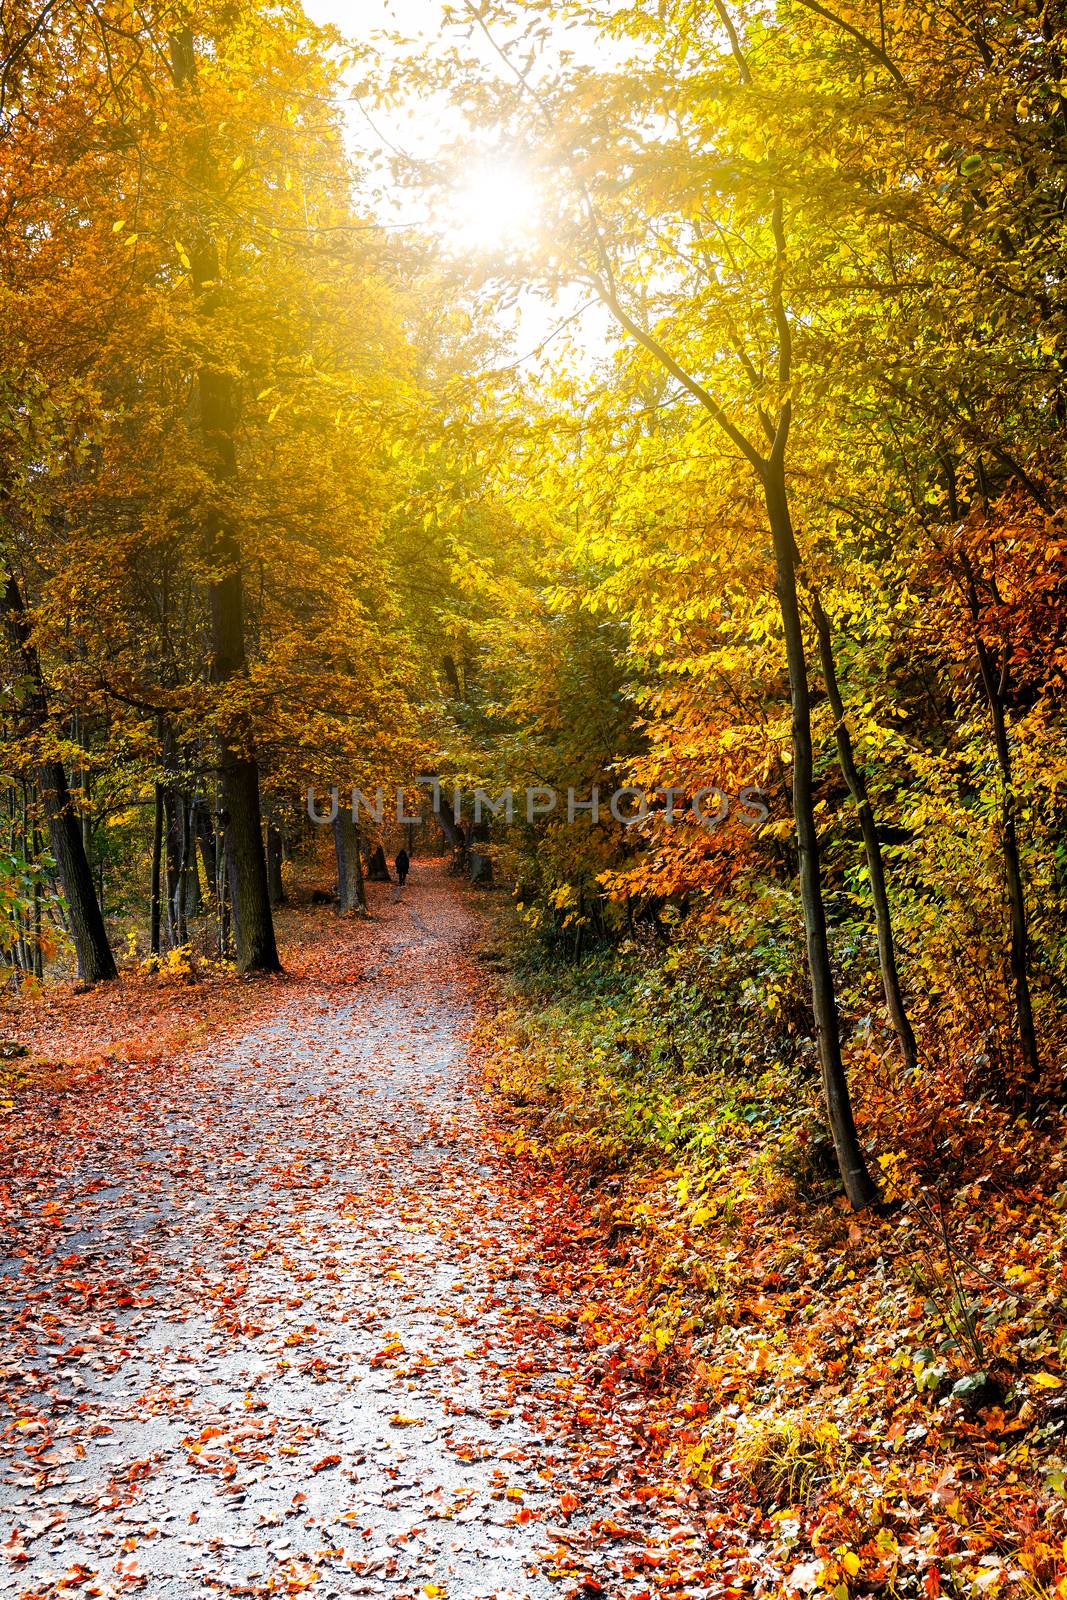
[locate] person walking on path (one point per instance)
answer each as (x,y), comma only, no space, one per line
(402,863)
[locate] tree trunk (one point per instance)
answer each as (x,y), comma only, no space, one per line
(222,890)
(995,686)
(480,865)
(181,876)
(194,899)
(205,834)
(857,786)
(95,960)
(38,953)
(453,832)
(361,888)
(859,1186)
(83,782)
(172,813)
(351,895)
(378,867)
(246,862)
(452,676)
(770,470)
(86,819)
(157,868)
(183,884)
(275,886)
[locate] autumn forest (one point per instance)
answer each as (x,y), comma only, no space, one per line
(612,458)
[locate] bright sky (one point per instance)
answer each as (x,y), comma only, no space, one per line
(494,203)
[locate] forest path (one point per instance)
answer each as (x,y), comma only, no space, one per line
(273,1324)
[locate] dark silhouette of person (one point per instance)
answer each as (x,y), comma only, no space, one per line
(402,863)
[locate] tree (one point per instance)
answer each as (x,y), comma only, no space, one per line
(351,895)
(95,960)
(595,240)
(246,862)
(197,296)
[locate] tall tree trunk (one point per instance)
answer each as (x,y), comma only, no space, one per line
(86,816)
(361,888)
(172,812)
(275,886)
(351,895)
(205,834)
(157,868)
(23,955)
(82,782)
(857,786)
(859,1186)
(995,685)
(84,917)
(38,953)
(95,960)
(246,862)
(222,888)
(181,875)
(770,470)
(246,870)
(194,900)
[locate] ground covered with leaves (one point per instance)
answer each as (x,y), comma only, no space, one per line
(292,1306)
(282,1312)
(879,1403)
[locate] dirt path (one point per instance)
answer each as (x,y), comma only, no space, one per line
(272,1321)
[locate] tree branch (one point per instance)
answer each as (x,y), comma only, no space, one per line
(785,336)
(735,43)
(650,343)
(869,45)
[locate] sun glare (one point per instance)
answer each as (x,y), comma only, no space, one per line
(496,205)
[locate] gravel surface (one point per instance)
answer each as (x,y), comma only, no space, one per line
(272,1319)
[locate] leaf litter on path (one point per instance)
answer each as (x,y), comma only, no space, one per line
(278,1316)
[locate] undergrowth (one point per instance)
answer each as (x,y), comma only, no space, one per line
(882,1398)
